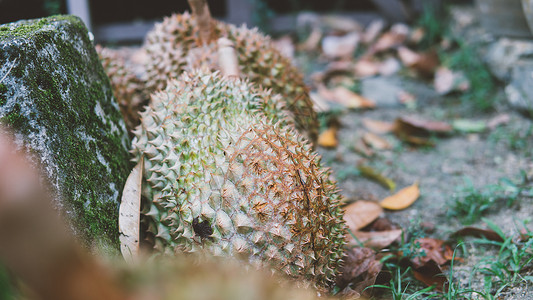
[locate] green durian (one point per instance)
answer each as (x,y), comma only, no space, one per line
(227,174)
(174,46)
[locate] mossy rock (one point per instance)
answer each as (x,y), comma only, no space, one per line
(56,97)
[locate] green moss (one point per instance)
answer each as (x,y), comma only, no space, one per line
(3,92)
(26,28)
(84,181)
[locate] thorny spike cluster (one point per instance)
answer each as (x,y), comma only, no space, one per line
(173,47)
(228,176)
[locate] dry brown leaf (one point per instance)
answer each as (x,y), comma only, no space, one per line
(431,274)
(328,138)
(372,31)
(361,213)
(406,97)
(366,67)
(408,56)
(424,63)
(393,38)
(129,219)
(312,42)
(340,46)
(389,66)
(498,120)
(415,126)
(417,35)
(433,249)
(361,148)
(478,232)
(375,239)
(379,127)
(376,141)
(359,271)
(350,99)
(285,46)
(447,81)
(402,199)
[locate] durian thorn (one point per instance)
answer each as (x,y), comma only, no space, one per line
(200,9)
(227,58)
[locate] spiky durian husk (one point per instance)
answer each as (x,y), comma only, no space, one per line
(127,88)
(172,43)
(225,175)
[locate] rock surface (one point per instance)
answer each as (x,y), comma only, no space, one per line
(55,96)
(519,91)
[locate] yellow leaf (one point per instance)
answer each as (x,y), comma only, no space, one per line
(361,213)
(402,199)
(328,138)
(370,173)
(376,141)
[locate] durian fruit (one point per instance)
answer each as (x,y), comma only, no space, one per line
(127,87)
(175,45)
(225,174)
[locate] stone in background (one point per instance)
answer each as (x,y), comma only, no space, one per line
(55,96)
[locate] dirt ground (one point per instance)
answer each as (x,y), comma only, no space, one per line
(442,170)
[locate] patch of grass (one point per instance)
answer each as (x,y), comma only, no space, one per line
(466,58)
(434,25)
(515,257)
(470,203)
(516,139)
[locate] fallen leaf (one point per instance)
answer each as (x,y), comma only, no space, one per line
(402,199)
(340,46)
(285,46)
(406,98)
(478,232)
(366,67)
(328,138)
(433,249)
(341,24)
(389,66)
(373,30)
(379,127)
(360,270)
(420,127)
(312,42)
(375,239)
(469,126)
(393,38)
(319,103)
(130,214)
(350,99)
(431,274)
(381,224)
(408,56)
(361,148)
(424,63)
(447,81)
(498,120)
(361,213)
(417,35)
(376,141)
(370,173)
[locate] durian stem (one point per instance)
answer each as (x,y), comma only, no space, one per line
(200,10)
(227,58)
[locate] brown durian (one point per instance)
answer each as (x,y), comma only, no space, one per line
(174,46)
(226,174)
(128,89)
